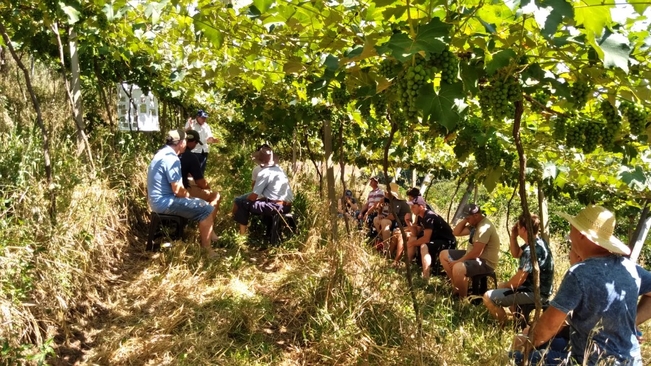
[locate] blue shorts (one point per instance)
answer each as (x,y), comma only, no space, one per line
(194,209)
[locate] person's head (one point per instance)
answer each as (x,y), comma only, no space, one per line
(472,214)
(193,139)
(348,194)
(413,193)
(395,191)
(373,182)
(176,140)
(201,116)
(522,228)
(418,206)
(591,233)
(266,157)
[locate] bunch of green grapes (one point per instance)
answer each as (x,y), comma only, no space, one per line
(380,105)
(490,155)
(389,68)
(508,159)
(340,96)
(612,127)
(414,77)
(465,141)
(574,136)
(541,96)
(560,124)
(364,110)
(497,98)
(580,91)
(636,116)
(591,133)
(448,63)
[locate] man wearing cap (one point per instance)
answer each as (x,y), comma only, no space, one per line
(347,205)
(432,234)
(482,256)
(273,184)
(598,297)
(519,289)
(166,194)
(374,196)
(199,124)
(190,166)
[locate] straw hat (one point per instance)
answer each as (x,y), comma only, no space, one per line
(395,190)
(598,224)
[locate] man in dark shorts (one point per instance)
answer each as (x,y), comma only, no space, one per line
(386,222)
(482,256)
(433,234)
(191,167)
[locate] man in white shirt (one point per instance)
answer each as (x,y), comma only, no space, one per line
(199,124)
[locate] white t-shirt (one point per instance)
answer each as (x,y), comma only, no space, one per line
(204,133)
(254,174)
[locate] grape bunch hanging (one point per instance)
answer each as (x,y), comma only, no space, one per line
(465,141)
(498,97)
(636,116)
(448,63)
(489,155)
(612,127)
(340,96)
(580,91)
(409,83)
(389,68)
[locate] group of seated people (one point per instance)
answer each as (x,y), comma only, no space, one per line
(176,186)
(597,298)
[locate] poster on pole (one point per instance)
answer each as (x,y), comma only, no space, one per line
(137,111)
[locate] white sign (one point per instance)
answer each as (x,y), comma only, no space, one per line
(138,112)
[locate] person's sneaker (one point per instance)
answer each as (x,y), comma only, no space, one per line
(214,237)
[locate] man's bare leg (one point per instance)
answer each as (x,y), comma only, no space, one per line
(459,282)
(496,311)
(205,233)
(444,259)
(243,229)
(427,260)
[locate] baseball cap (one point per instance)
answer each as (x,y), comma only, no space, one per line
(349,193)
(471,209)
(202,113)
(418,201)
(175,136)
(193,135)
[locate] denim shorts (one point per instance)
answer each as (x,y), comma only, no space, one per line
(194,209)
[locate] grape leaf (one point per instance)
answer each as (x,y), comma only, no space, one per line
(500,59)
(616,49)
(447,107)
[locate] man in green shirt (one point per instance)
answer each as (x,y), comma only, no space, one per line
(483,251)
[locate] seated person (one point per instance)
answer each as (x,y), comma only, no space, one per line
(433,234)
(273,184)
(254,175)
(347,205)
(482,256)
(385,222)
(376,195)
(599,297)
(191,167)
(166,194)
(519,289)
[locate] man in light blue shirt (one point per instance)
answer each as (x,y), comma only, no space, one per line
(166,194)
(271,183)
(598,297)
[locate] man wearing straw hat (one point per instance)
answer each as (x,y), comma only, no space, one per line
(272,184)
(598,298)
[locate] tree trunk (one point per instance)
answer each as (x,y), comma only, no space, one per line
(330,176)
(49,175)
(316,166)
(74,92)
(102,93)
(342,169)
(543,213)
(531,239)
(464,200)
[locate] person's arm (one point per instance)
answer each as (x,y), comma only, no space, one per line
(462,228)
(516,281)
(427,234)
(202,183)
(188,124)
(514,248)
(547,326)
(209,137)
(643,309)
(252,197)
(340,206)
(474,253)
(179,190)
(353,205)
